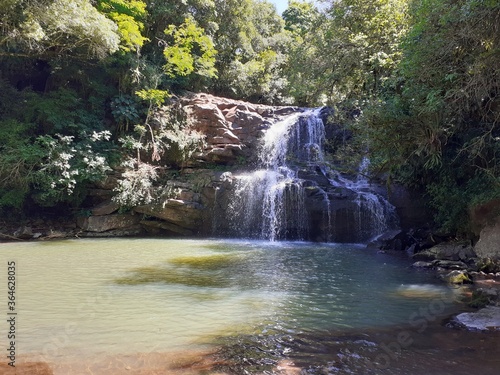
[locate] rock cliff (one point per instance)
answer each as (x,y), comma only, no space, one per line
(336,206)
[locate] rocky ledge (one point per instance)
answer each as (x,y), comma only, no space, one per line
(486,319)
(231,127)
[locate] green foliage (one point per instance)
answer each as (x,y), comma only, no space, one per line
(58,26)
(154,96)
(441,118)
(18,162)
(68,166)
(124,111)
(127,14)
(300,16)
(350,51)
(191,51)
(61,110)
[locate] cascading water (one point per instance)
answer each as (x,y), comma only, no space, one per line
(269,203)
(280,199)
(373,214)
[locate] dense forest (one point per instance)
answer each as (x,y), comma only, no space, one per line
(81,82)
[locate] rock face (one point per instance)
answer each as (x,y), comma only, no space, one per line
(106,223)
(454,251)
(184,215)
(488,245)
(337,207)
(232,127)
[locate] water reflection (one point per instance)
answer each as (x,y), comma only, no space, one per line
(87,300)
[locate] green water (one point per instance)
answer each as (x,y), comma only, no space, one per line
(90,298)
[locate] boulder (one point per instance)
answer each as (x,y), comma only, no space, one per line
(24,233)
(486,319)
(106,223)
(232,127)
(457,277)
(411,207)
(488,245)
(105,208)
(454,251)
(185,214)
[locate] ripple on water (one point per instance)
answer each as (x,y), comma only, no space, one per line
(113,298)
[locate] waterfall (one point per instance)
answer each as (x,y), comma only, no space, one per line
(373,213)
(269,202)
(293,195)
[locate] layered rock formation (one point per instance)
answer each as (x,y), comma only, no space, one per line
(232,127)
(336,207)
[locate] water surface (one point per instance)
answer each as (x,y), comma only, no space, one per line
(89,299)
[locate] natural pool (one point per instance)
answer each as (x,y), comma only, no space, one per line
(112,306)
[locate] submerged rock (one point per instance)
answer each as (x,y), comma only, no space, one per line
(420,291)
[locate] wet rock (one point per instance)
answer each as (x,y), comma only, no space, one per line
(163,227)
(52,234)
(106,223)
(134,230)
(422,264)
(410,207)
(105,208)
(489,240)
(450,264)
(24,233)
(184,214)
(391,240)
(411,249)
(457,277)
(486,319)
(453,251)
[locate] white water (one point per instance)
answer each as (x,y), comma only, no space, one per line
(271,199)
(374,214)
(269,203)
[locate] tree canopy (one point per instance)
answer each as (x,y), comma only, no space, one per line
(80,81)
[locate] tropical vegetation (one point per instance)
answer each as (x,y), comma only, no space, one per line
(81,82)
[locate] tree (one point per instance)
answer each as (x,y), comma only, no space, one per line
(56,27)
(350,50)
(252,46)
(300,16)
(128,16)
(190,51)
(440,127)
